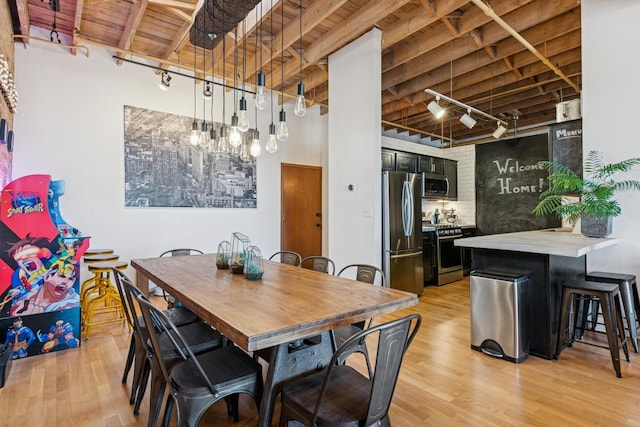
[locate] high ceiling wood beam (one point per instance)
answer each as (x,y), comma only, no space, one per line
(135,17)
(23,16)
(77,23)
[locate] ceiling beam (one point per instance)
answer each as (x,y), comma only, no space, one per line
(133,22)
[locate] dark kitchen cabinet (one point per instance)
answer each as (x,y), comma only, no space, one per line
(406,162)
(388,160)
(428,164)
(451,176)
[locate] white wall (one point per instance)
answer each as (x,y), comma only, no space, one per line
(610,65)
(70,125)
(355,216)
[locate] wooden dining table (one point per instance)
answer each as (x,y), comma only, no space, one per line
(290,311)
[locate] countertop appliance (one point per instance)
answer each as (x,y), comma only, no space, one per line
(448,256)
(402,231)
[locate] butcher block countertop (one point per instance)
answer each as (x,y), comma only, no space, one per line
(555,241)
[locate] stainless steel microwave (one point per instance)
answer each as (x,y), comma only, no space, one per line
(435,186)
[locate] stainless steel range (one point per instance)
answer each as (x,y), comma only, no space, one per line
(448,256)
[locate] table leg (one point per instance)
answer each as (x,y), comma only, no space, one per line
(142,282)
(290,361)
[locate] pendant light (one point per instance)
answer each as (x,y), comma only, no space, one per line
(272,144)
(203,139)
(234,134)
(261,96)
(243,121)
(213,148)
(283,131)
(195,132)
(223,147)
(301,104)
(255,149)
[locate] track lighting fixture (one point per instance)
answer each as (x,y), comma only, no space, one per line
(497,134)
(467,120)
(436,109)
(165,81)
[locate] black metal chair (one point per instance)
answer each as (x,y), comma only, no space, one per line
(319,263)
(363,273)
(171,301)
(137,353)
(198,381)
(339,395)
(201,337)
(288,257)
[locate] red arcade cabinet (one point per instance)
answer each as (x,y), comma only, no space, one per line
(40,258)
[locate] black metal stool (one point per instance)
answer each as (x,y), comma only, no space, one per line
(611,301)
(630,299)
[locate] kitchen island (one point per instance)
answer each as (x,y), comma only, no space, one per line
(549,258)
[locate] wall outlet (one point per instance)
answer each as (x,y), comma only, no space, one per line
(367,212)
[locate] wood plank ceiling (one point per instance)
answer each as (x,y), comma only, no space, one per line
(513,59)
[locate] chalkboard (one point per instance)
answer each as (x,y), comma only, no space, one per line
(566,144)
(509,183)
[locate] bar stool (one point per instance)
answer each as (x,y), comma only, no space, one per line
(609,296)
(103,297)
(92,259)
(630,299)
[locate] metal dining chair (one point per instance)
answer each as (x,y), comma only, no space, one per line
(319,263)
(198,381)
(340,395)
(363,273)
(200,337)
(171,301)
(288,257)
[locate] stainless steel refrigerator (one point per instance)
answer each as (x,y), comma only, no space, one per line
(402,230)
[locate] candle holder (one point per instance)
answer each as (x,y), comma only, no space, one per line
(224,253)
(253,267)
(239,246)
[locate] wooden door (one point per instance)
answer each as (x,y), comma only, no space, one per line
(301,199)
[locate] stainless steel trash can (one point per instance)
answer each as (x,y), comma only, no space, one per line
(499,314)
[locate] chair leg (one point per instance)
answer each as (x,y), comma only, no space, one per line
(610,323)
(138,393)
(130,356)
(621,331)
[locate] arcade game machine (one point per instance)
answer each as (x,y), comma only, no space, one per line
(40,256)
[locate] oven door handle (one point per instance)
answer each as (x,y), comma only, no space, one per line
(449,237)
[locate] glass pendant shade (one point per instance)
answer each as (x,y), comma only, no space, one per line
(243,121)
(223,146)
(212,140)
(235,139)
(255,149)
(301,104)
(195,134)
(272,144)
(203,139)
(283,130)
(244,153)
(261,96)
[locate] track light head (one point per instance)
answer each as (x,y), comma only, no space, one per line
(436,109)
(467,120)
(500,130)
(165,81)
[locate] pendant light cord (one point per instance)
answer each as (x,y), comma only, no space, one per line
(282,55)
(300,52)
(271,59)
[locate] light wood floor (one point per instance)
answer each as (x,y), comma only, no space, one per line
(442,382)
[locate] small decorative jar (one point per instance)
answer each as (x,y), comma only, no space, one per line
(224,252)
(239,246)
(253,267)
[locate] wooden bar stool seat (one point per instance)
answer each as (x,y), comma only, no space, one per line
(92,252)
(609,296)
(102,298)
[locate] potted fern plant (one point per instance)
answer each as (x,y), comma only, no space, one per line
(596,205)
